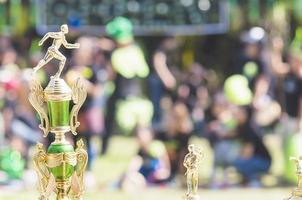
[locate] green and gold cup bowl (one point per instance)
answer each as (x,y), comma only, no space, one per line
(61,160)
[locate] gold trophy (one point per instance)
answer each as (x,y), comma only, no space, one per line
(191,162)
(60,169)
(297,192)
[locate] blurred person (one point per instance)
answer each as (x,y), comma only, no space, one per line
(24,123)
(90,115)
(254,159)
(20,120)
(200,106)
(183,93)
(251,62)
(291,121)
(220,131)
(151,162)
(96,55)
(267,111)
(196,96)
(13,150)
(176,135)
(246,131)
(10,71)
(292,85)
(15,134)
(195,78)
(161,78)
(2,127)
(278,67)
(129,69)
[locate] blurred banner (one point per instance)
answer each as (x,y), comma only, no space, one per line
(157,17)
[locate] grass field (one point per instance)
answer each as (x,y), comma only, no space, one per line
(109,168)
(169,194)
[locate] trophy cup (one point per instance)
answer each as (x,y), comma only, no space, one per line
(60,169)
(297,192)
(191,163)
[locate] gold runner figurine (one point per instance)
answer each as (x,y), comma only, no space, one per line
(297,192)
(191,162)
(53,50)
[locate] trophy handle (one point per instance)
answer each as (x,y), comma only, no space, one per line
(46,180)
(79,95)
(77,185)
(36,98)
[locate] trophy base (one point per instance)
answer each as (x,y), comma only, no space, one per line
(294,198)
(191,197)
(297,192)
(63,198)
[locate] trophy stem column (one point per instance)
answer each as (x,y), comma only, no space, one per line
(63,188)
(60,137)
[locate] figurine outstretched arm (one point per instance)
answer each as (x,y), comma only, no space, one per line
(44,38)
(49,35)
(69,45)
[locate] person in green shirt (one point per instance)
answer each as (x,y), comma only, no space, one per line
(129,67)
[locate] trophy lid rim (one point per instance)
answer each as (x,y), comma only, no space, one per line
(57,89)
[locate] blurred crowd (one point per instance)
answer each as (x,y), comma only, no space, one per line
(161,103)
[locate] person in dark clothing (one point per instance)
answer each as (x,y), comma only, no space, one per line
(161,79)
(176,136)
(293,94)
(292,87)
(251,62)
(254,158)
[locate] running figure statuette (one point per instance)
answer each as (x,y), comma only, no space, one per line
(297,191)
(53,50)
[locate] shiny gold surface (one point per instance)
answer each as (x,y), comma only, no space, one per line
(191,163)
(60,136)
(77,182)
(297,192)
(53,50)
(54,160)
(59,129)
(79,95)
(46,179)
(37,100)
(60,169)
(57,90)
(68,187)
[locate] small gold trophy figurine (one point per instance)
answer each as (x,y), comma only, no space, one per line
(297,192)
(60,169)
(191,162)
